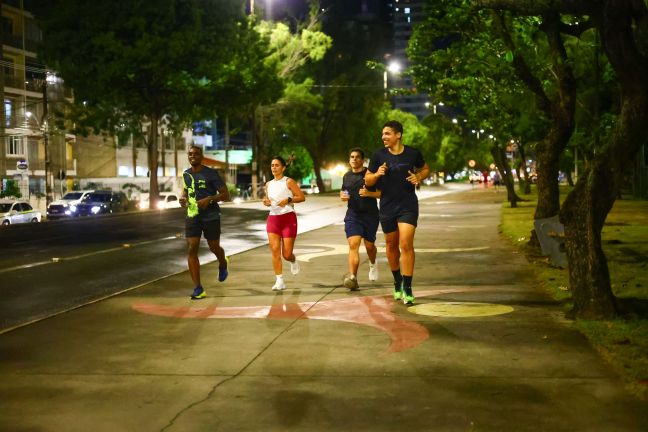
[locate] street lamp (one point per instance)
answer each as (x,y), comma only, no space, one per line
(268,8)
(393,67)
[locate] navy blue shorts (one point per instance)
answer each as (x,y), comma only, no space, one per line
(195,227)
(364,225)
(389,223)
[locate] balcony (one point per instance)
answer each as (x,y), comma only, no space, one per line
(16,41)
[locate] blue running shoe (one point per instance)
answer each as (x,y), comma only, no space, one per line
(222,272)
(198,293)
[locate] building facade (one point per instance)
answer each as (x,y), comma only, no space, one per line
(30,146)
(405,15)
(45,161)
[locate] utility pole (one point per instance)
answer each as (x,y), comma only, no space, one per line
(45,130)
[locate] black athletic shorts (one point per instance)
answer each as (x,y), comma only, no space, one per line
(389,223)
(364,225)
(195,227)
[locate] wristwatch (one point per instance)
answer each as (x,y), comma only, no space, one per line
(289,200)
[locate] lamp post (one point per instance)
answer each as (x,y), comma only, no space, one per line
(42,127)
(393,67)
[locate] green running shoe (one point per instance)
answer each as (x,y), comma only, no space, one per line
(398,292)
(408,297)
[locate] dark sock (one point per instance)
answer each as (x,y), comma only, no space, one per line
(398,279)
(407,282)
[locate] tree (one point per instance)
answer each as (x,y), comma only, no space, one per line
(458,58)
(621,26)
(352,98)
(135,65)
(290,53)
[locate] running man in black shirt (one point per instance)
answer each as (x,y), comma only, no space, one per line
(203,189)
(361,220)
(399,168)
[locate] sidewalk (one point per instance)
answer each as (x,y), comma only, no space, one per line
(483,350)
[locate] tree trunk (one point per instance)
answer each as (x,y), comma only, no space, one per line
(547,154)
(227,149)
(587,206)
(523,176)
(154,191)
(317,163)
(583,215)
(505,172)
(134,156)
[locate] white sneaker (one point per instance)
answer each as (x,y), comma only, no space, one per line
(279,285)
(373,273)
(294,267)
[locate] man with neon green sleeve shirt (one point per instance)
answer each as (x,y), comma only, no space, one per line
(203,189)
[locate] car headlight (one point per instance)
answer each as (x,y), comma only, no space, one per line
(73,208)
(95,209)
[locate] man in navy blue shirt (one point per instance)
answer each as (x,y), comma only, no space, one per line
(399,168)
(203,189)
(361,219)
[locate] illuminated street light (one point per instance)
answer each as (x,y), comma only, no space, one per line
(393,67)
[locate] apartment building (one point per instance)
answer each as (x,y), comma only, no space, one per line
(405,15)
(44,160)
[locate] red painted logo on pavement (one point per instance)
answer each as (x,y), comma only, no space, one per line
(371,311)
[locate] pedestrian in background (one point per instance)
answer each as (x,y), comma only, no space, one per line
(361,219)
(399,168)
(281,193)
(203,189)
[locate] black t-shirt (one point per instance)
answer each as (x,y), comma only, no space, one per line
(204,183)
(398,194)
(353,182)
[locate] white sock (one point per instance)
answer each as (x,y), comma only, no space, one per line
(279,277)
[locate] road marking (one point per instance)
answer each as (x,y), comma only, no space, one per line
(337,249)
(460,309)
(55,260)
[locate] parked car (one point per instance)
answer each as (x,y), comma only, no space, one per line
(100,202)
(61,207)
(309,189)
(14,212)
(165,200)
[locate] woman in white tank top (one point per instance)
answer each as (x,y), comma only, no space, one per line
(281,194)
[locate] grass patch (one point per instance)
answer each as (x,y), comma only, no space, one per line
(622,342)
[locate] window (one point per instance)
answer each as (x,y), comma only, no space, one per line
(15,146)
(9,111)
(7,25)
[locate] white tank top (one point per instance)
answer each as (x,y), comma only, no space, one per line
(277,191)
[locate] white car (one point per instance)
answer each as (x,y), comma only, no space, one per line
(14,212)
(166,200)
(61,207)
(309,189)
